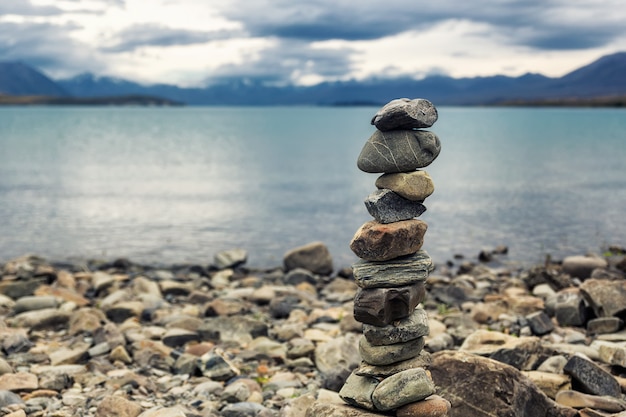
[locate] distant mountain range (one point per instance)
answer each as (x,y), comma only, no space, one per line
(605,77)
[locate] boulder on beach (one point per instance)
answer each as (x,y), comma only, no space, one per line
(314,257)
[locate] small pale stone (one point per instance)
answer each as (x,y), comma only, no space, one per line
(409,328)
(403,113)
(119,353)
(382,306)
(358,391)
(606,297)
(406,270)
(414,185)
(610,353)
(31,303)
(582,266)
(65,356)
(20,381)
(388,207)
(388,354)
(403,388)
(398,151)
(433,406)
(577,399)
(382,242)
(230,258)
(549,383)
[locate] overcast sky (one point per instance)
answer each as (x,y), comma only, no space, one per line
(200,42)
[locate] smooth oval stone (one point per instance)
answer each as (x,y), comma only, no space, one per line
(388,354)
(414,185)
(410,328)
(403,388)
(404,113)
(398,151)
(433,406)
(397,272)
(388,207)
(381,242)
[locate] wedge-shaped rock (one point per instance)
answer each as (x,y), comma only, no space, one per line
(358,391)
(414,185)
(410,328)
(381,242)
(388,207)
(404,113)
(388,354)
(403,388)
(406,270)
(382,306)
(398,151)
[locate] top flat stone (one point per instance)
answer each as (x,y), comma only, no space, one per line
(398,151)
(404,113)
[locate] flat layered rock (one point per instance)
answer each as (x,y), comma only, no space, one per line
(382,306)
(387,207)
(414,185)
(398,151)
(388,354)
(382,242)
(404,330)
(423,360)
(404,113)
(397,272)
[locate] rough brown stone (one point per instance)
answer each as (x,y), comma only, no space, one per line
(314,257)
(433,406)
(381,242)
(479,387)
(115,405)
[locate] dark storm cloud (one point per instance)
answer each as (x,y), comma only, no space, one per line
(44,46)
(160,35)
(541,24)
(277,64)
(26,8)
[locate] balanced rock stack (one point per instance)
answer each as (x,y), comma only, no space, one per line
(392,271)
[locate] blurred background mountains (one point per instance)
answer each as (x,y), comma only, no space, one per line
(602,82)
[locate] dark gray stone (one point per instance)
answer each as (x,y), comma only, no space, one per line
(398,272)
(569,308)
(404,113)
(590,378)
(298,276)
(604,325)
(540,323)
(7,398)
(404,330)
(387,207)
(398,151)
(382,306)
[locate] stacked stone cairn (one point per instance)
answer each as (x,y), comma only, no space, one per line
(392,271)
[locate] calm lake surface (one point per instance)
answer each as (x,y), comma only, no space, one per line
(174,185)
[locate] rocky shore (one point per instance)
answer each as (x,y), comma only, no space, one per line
(103,338)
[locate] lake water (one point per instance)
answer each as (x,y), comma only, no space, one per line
(180,184)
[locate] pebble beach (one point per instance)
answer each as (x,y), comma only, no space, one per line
(102,338)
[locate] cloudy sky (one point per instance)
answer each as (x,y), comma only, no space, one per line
(200,42)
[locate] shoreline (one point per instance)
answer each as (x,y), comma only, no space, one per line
(223,339)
